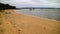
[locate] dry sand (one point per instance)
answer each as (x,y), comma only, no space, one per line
(14,23)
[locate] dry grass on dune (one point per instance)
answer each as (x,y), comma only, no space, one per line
(14,23)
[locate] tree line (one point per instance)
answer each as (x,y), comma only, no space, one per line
(6,6)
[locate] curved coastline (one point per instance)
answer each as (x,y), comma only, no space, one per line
(26,24)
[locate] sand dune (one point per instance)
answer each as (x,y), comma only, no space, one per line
(14,23)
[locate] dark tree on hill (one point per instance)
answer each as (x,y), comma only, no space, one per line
(6,6)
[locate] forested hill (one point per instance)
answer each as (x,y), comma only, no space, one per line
(6,6)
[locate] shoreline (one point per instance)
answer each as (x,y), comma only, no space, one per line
(36,16)
(25,24)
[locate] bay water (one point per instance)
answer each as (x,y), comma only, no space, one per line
(45,13)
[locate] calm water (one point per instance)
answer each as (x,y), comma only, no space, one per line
(46,13)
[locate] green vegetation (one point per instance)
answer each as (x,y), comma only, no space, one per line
(6,6)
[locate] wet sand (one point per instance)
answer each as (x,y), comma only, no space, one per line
(15,23)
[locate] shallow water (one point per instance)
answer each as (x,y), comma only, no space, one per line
(46,13)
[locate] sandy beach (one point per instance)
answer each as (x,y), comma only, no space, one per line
(14,23)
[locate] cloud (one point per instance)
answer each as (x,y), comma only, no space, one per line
(38,3)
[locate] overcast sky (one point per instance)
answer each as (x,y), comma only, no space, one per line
(33,3)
